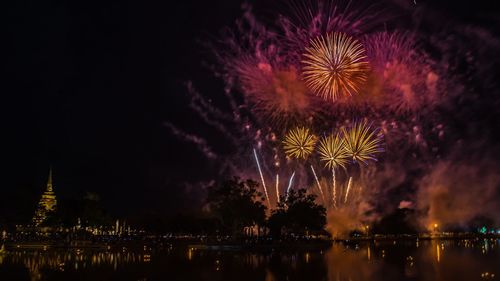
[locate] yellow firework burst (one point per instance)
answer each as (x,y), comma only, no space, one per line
(299,143)
(333,152)
(362,142)
(335,65)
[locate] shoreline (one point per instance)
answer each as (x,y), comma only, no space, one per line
(203,244)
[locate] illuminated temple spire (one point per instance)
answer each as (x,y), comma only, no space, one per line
(47,203)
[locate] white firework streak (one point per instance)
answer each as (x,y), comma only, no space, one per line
(319,185)
(290,184)
(216,124)
(201,143)
(348,187)
(262,177)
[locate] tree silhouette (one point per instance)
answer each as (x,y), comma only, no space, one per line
(297,214)
(88,208)
(236,204)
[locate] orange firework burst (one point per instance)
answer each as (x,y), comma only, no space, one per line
(362,143)
(335,65)
(299,143)
(333,152)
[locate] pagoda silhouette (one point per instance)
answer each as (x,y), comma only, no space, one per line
(47,204)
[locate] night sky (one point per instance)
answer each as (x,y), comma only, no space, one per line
(89,87)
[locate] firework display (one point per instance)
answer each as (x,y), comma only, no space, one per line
(368,91)
(335,65)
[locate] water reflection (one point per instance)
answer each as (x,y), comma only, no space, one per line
(473,259)
(39,261)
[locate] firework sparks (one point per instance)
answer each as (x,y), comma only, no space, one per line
(317,182)
(362,143)
(348,188)
(333,152)
(277,189)
(334,189)
(261,177)
(335,66)
(299,143)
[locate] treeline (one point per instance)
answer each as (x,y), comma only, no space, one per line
(235,208)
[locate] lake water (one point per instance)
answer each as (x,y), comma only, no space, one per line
(477,259)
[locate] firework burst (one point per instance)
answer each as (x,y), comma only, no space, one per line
(332,152)
(362,142)
(277,95)
(278,76)
(335,65)
(404,78)
(299,143)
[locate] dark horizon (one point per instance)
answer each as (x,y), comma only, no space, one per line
(90,87)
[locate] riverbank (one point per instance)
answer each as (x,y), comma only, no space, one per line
(227,244)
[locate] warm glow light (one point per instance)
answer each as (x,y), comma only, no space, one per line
(438,253)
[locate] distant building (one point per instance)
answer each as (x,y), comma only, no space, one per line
(46,205)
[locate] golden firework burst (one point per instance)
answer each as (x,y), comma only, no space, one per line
(335,65)
(299,143)
(362,142)
(333,152)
